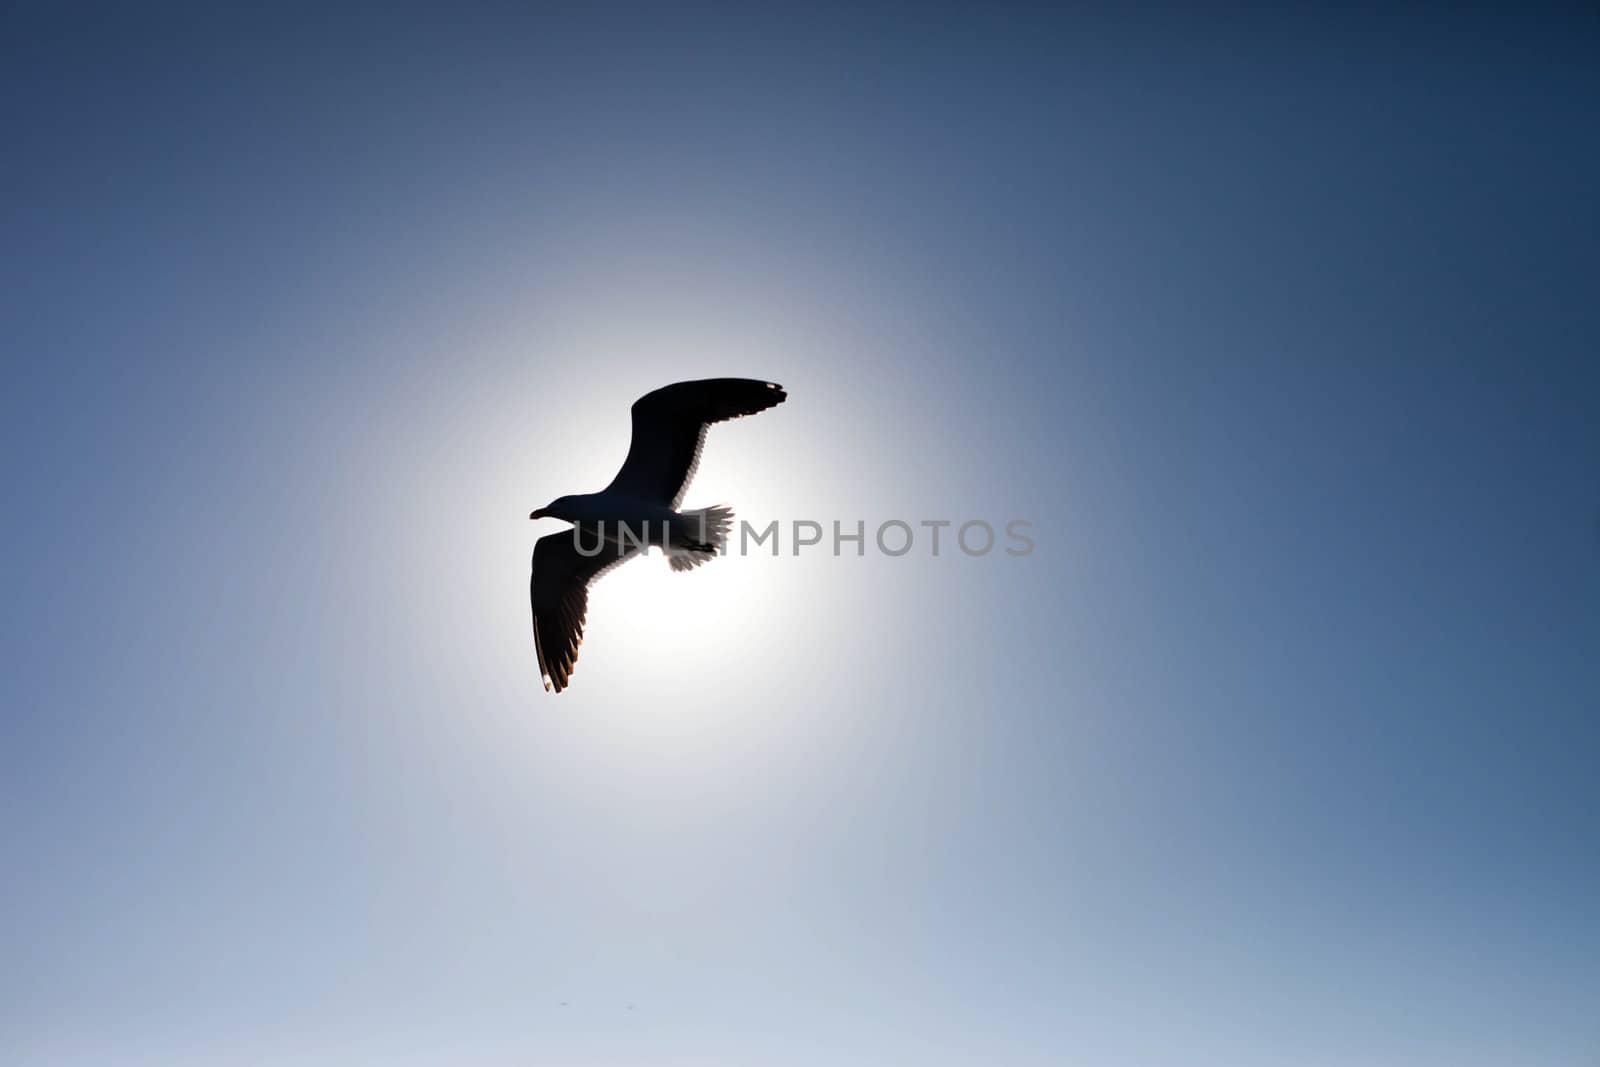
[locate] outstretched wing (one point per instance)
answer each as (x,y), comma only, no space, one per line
(669,430)
(559,591)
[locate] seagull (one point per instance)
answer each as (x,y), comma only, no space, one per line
(639,508)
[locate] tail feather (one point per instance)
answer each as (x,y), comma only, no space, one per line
(707,534)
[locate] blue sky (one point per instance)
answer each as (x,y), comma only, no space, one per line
(1279,748)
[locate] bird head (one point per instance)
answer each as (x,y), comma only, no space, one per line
(559,508)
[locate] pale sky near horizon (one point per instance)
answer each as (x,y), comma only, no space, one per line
(1279,749)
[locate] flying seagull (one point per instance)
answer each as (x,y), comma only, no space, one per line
(638,508)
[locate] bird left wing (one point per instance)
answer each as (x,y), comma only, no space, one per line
(559,592)
(669,432)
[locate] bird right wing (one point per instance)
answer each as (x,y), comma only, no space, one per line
(559,592)
(669,430)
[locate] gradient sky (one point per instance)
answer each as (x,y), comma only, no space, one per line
(1280,749)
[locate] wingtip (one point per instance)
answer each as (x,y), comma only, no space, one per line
(547,683)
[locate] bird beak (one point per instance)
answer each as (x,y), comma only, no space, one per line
(540,514)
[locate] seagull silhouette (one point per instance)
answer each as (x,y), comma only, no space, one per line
(639,508)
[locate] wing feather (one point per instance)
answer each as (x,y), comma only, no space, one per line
(669,432)
(559,593)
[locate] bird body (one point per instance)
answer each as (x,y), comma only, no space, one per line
(629,522)
(611,514)
(638,509)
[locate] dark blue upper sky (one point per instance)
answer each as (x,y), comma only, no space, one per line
(1280,329)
